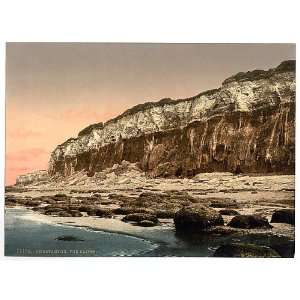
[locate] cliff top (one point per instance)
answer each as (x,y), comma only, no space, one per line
(285,66)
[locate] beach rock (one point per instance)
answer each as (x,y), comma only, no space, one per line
(138,217)
(114,196)
(124,181)
(11,199)
(249,222)
(284,216)
(60,200)
(103,213)
(22,201)
(179,196)
(106,202)
(48,200)
(165,214)
(85,208)
(286,249)
(244,250)
(147,223)
(122,210)
(226,203)
(96,195)
(10,204)
(60,196)
(100,212)
(32,203)
(69,238)
(131,210)
(53,210)
(229,212)
(39,209)
(75,213)
(64,214)
(196,219)
(222,230)
(120,198)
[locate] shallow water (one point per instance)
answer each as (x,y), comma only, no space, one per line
(24,237)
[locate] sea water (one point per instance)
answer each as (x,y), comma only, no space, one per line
(25,237)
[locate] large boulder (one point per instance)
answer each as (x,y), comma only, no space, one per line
(245,250)
(249,222)
(284,216)
(195,219)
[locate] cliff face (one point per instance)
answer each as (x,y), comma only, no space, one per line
(247,125)
(34,177)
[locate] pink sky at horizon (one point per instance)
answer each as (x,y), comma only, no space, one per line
(54,90)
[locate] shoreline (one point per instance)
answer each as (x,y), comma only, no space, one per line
(157,234)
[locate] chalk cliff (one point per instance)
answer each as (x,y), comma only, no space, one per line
(246,125)
(33,177)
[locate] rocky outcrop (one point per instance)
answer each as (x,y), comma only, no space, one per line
(32,178)
(245,250)
(246,125)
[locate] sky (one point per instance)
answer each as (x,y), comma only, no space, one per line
(53,90)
